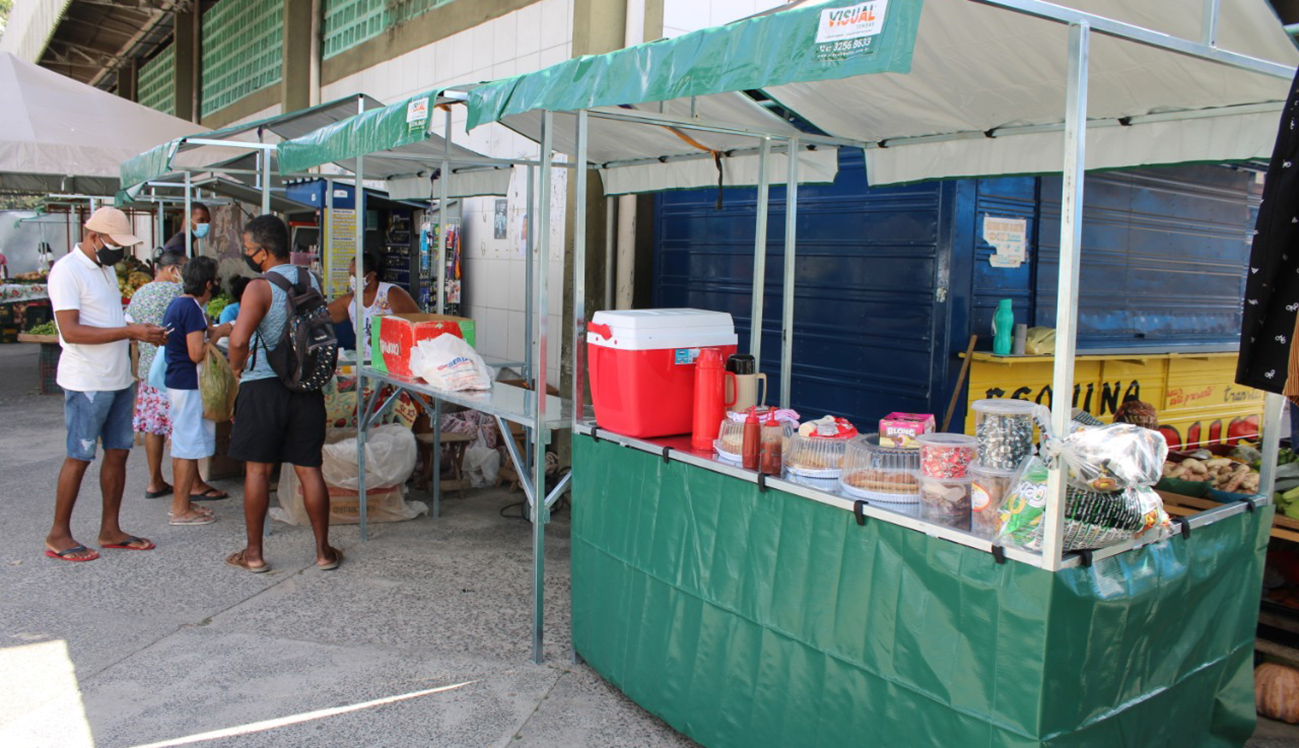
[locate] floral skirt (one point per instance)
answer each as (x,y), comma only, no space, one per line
(152,411)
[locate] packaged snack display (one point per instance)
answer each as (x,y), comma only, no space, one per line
(945,501)
(879,473)
(1093,519)
(817,449)
(902,429)
(1004,430)
(946,455)
(988,489)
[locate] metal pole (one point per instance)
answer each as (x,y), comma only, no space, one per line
(610,231)
(189,198)
(445,179)
(1271,442)
(1209,25)
(787,315)
(579,274)
(358,305)
(528,267)
(266,182)
(1066,310)
(540,513)
(760,256)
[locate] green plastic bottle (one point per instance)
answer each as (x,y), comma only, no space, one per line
(1003,328)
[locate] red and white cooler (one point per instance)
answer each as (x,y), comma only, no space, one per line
(642,366)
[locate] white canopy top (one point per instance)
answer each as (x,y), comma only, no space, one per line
(635,157)
(979,69)
(60,135)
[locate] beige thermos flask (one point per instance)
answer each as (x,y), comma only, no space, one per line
(749,388)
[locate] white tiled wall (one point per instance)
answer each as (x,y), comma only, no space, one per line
(683,16)
(526,40)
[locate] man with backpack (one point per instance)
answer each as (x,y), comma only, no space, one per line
(283,354)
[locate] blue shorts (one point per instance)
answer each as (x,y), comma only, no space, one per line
(193,437)
(98,416)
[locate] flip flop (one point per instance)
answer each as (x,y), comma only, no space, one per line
(63,555)
(198,510)
(125,545)
(158,494)
(212,494)
(338,560)
(237,560)
(202,519)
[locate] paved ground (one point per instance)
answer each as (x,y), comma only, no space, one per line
(421,639)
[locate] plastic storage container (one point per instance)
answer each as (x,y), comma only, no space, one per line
(819,457)
(880,473)
(946,455)
(988,488)
(945,501)
(1004,431)
(642,366)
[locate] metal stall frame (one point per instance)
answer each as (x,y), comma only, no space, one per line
(538,413)
(1081,25)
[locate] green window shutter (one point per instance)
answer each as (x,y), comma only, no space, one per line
(243,50)
(157,82)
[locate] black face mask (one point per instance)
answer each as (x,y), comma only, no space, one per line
(107,256)
(252,264)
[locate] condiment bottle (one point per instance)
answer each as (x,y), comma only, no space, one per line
(752,439)
(772,438)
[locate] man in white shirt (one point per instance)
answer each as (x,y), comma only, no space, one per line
(95,374)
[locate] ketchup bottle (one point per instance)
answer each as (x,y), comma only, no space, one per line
(773,435)
(709,409)
(752,440)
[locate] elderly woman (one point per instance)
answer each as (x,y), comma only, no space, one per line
(193,437)
(148,305)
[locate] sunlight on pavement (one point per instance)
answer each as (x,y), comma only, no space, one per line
(40,701)
(294,719)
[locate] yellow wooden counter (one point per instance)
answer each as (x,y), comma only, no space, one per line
(1195,393)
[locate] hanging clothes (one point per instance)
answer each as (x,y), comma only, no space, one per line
(1272,286)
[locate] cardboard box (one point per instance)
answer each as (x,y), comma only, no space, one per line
(902,429)
(400,333)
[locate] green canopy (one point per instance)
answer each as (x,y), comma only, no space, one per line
(819,41)
(161,160)
(393,126)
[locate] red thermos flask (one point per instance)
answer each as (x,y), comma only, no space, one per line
(710,407)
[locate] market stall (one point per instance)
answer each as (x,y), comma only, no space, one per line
(748,609)
(236,162)
(398,145)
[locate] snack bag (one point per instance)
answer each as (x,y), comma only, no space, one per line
(448,363)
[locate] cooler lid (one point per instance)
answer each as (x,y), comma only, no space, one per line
(660,319)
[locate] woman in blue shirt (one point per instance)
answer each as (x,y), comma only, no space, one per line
(237,286)
(193,437)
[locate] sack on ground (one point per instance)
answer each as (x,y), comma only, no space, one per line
(389,461)
(448,363)
(218,386)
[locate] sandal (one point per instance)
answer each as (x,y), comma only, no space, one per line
(212,494)
(126,545)
(63,555)
(238,559)
(338,560)
(198,510)
(196,519)
(159,493)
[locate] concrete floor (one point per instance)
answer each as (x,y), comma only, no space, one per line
(422,638)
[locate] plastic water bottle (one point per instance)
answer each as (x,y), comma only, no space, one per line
(1003,328)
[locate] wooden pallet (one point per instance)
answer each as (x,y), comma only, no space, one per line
(1181,506)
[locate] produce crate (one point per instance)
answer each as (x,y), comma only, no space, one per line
(50,353)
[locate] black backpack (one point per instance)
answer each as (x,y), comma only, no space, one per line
(306,354)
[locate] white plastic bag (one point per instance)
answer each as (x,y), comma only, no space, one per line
(389,461)
(449,363)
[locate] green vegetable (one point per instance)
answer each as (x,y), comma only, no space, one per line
(218,305)
(1291,495)
(45,328)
